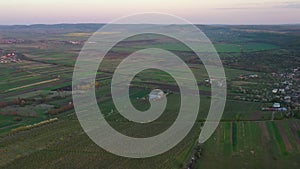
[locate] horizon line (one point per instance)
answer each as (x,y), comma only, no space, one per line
(98,23)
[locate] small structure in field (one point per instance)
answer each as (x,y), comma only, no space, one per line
(254,76)
(156,95)
(276,105)
(275,91)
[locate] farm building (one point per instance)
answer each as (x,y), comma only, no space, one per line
(156,95)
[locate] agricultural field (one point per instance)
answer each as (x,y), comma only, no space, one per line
(38,87)
(265,144)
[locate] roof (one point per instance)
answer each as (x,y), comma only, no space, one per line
(276,105)
(156,94)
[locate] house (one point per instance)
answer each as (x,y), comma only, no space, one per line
(241,77)
(287,99)
(275,109)
(282,109)
(282,91)
(253,76)
(4,57)
(275,91)
(276,105)
(75,42)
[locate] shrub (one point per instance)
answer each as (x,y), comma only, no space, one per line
(18,119)
(61,109)
(28,127)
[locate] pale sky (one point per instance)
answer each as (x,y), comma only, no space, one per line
(196,11)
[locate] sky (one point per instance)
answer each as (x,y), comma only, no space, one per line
(196,11)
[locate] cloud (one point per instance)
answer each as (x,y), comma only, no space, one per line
(263,5)
(290,5)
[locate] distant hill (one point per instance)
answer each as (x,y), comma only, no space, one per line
(62,28)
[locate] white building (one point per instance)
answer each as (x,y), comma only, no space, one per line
(156,95)
(276,105)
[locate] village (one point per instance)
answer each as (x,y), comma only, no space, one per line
(282,97)
(286,92)
(10,57)
(277,92)
(11,41)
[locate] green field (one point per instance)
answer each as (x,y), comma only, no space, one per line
(246,137)
(248,148)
